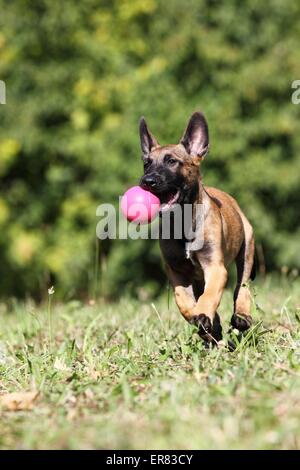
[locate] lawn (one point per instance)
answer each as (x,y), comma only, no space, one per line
(133,374)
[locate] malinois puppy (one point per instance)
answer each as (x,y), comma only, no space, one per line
(198,278)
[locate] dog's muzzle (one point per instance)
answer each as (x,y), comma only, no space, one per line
(149,182)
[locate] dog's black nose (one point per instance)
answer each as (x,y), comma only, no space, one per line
(148,182)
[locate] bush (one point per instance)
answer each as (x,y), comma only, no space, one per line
(79,76)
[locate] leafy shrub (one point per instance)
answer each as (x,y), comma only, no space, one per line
(78,77)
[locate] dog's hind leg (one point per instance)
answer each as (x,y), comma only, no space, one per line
(241,318)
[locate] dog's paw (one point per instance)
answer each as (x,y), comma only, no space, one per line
(203,323)
(241,322)
(217,328)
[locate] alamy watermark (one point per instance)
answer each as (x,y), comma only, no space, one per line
(180,222)
(2,92)
(296,94)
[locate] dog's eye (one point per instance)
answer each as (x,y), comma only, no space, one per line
(147,163)
(169,160)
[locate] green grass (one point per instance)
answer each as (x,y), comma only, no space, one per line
(134,375)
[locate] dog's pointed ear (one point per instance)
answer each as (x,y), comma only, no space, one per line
(148,141)
(195,138)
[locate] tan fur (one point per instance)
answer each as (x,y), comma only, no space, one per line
(199,280)
(227,228)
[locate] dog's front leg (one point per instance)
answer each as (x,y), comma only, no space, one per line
(205,312)
(183,290)
(201,313)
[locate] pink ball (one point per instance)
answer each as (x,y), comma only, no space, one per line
(139,206)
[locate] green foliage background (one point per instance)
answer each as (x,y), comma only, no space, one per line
(80,74)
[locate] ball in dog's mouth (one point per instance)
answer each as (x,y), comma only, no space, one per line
(171,199)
